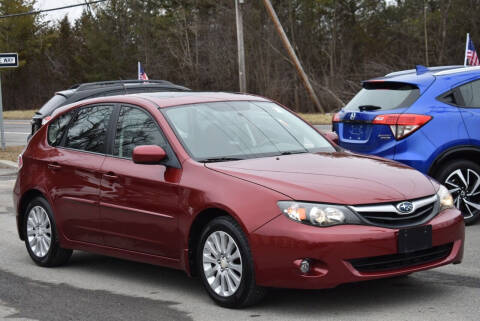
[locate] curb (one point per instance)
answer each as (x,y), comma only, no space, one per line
(8,163)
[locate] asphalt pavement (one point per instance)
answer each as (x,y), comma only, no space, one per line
(94,287)
(16,132)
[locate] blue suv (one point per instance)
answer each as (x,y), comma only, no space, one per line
(427,118)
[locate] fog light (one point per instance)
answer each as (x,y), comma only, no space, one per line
(305,266)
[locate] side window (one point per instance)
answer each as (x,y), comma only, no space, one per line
(57,127)
(89,129)
(135,127)
(471,94)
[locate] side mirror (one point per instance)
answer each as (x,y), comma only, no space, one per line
(148,154)
(331,135)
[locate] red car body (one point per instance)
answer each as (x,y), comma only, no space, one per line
(154,213)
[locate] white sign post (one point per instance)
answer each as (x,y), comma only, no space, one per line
(7,60)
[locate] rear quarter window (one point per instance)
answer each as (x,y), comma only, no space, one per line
(57,128)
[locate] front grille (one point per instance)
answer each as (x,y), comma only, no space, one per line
(387,215)
(398,261)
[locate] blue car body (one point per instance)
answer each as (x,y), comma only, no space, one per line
(442,93)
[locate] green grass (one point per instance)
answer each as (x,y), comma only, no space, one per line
(317,119)
(18,114)
(11,153)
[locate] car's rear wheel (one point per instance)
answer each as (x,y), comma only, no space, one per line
(225,264)
(462,179)
(41,237)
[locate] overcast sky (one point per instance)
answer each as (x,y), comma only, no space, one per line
(73,13)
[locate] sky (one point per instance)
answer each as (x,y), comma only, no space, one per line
(73,13)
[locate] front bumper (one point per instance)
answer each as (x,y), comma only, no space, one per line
(279,246)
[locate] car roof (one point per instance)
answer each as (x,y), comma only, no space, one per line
(423,77)
(165,99)
(168,99)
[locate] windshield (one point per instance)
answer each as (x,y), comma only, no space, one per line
(52,104)
(242,129)
(383,96)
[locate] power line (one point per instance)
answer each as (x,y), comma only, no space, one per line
(53,9)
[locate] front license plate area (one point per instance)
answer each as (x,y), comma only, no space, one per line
(414,239)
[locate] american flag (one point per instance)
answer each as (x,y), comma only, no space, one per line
(472,57)
(142,75)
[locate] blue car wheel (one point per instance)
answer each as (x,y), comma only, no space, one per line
(462,179)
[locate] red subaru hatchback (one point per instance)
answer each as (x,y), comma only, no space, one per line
(233,188)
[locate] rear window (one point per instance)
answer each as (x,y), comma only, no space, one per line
(383,96)
(54,102)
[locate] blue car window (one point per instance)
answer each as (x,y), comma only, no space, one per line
(471,94)
(384,96)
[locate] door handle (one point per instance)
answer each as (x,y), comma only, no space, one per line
(54,166)
(110,175)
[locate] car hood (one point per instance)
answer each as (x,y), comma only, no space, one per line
(340,177)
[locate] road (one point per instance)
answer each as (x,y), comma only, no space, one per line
(17,131)
(93,287)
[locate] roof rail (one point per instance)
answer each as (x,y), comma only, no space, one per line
(91,85)
(458,70)
(411,71)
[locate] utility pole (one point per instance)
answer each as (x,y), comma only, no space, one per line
(2,124)
(7,60)
(241,47)
(425,31)
(292,54)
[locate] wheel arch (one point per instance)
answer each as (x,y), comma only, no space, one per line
(468,152)
(26,198)
(200,221)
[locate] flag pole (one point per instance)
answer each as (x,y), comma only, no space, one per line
(466,50)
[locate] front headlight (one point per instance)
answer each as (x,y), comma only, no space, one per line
(445,198)
(318,214)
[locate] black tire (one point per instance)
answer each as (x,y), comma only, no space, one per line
(247,293)
(56,255)
(447,176)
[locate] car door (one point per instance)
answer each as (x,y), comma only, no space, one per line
(469,106)
(138,204)
(75,171)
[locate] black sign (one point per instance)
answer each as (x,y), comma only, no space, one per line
(8,60)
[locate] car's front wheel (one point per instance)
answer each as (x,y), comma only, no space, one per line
(225,264)
(462,179)
(40,235)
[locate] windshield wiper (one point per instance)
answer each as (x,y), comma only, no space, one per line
(294,152)
(368,107)
(220,159)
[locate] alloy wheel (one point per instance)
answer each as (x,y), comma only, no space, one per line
(464,185)
(222,263)
(39,231)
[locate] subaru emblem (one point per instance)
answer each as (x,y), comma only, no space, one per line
(405,208)
(352,116)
